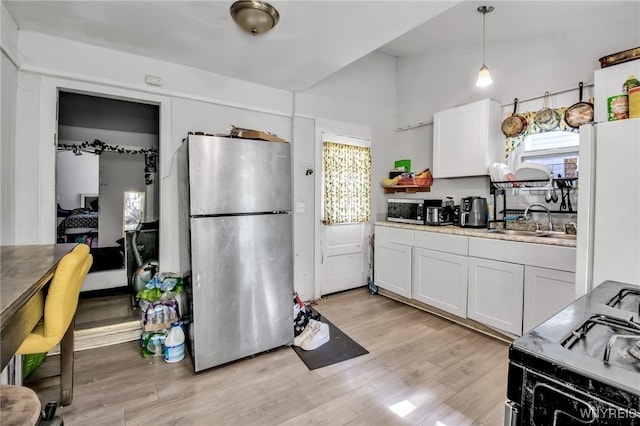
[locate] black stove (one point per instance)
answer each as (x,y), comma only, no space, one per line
(581,366)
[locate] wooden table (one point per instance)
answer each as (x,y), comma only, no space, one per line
(24,271)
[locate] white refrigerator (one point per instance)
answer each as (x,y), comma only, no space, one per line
(608,242)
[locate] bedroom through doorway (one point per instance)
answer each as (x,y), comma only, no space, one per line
(107,192)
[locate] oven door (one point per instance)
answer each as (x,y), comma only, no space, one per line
(548,402)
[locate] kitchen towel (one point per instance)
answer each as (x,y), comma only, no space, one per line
(340,347)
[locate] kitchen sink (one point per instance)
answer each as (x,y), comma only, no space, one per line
(539,234)
(515,232)
(560,235)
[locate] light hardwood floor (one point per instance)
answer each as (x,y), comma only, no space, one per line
(101,311)
(452,375)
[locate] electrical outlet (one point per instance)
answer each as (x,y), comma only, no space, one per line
(153,80)
(300,208)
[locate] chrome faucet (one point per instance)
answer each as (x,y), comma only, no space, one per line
(526,215)
(571,228)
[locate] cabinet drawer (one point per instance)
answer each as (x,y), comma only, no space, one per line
(544,256)
(394,235)
(455,244)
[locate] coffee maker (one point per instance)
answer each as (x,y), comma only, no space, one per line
(473,212)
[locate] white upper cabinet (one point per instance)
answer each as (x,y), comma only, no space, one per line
(467,139)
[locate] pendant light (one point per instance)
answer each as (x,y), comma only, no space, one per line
(484,78)
(254,16)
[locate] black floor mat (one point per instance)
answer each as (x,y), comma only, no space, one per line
(340,347)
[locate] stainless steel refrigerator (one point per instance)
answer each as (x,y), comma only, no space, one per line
(236,240)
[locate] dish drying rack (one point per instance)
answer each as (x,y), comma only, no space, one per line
(547,187)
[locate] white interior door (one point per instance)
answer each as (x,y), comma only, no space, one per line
(345,257)
(342,255)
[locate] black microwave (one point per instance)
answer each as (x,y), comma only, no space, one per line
(409,210)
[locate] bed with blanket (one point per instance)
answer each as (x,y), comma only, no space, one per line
(79,225)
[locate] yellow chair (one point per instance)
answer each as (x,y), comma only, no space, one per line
(58,316)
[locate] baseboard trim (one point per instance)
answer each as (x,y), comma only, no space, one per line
(466,322)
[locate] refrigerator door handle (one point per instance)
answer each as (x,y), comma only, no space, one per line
(322,256)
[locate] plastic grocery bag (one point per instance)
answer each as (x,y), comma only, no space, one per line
(30,362)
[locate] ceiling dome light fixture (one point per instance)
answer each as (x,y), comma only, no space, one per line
(254,16)
(484,78)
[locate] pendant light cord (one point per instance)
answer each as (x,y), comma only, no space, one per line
(484,18)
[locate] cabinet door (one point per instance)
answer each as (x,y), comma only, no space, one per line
(466,139)
(440,280)
(546,292)
(392,267)
(496,294)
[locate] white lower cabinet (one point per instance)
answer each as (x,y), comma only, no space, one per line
(392,260)
(393,267)
(495,294)
(506,285)
(440,280)
(546,292)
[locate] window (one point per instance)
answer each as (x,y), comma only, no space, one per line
(346,182)
(558,150)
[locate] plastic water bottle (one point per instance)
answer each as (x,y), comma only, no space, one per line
(174,344)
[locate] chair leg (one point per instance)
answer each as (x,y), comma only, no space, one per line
(66,365)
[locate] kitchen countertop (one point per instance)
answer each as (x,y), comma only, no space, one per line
(480,233)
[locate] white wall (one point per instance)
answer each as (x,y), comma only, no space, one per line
(75,175)
(525,68)
(304,192)
(199,101)
(118,173)
(8,96)
(363,93)
(49,63)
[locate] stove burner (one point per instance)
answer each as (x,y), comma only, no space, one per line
(628,299)
(634,351)
(607,339)
(612,340)
(606,320)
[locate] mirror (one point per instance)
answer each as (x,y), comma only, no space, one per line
(133,212)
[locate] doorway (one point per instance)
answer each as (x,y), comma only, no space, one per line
(343,249)
(106,149)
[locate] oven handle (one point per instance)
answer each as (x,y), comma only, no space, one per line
(511,414)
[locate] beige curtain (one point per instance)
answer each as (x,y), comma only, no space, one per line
(347,183)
